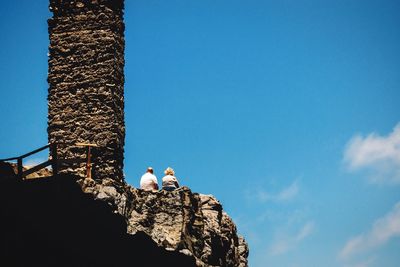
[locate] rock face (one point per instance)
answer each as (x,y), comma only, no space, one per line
(51,222)
(131,227)
(191,223)
(86,83)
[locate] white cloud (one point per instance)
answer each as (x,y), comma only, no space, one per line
(285,243)
(285,195)
(382,231)
(307,229)
(288,193)
(378,154)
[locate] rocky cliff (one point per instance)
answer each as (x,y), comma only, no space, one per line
(55,218)
(50,222)
(190,223)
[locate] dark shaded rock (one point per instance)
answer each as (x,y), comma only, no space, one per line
(11,169)
(114,220)
(6,170)
(51,222)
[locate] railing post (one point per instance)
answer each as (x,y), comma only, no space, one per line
(88,164)
(88,157)
(54,159)
(19,169)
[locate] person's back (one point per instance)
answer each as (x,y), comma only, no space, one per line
(169,181)
(149,181)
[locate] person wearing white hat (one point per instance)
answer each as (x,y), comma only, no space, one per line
(149,181)
(169,181)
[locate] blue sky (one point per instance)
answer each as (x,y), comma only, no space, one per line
(286,111)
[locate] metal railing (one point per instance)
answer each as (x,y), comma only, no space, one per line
(54,161)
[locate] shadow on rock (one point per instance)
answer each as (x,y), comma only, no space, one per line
(51,222)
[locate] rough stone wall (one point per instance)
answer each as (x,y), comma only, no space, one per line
(86,83)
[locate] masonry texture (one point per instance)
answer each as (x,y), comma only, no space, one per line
(86,83)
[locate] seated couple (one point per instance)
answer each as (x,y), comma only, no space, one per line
(149,182)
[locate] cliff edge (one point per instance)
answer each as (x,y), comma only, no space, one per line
(50,222)
(190,223)
(65,220)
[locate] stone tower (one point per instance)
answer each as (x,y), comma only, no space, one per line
(86,83)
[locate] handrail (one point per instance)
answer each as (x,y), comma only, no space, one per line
(37,168)
(9,159)
(20,171)
(36,151)
(30,153)
(54,161)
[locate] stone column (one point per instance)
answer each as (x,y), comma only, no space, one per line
(86,83)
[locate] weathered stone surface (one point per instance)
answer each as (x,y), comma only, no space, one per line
(86,83)
(191,223)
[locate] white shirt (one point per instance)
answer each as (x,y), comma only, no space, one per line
(148,182)
(169,181)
